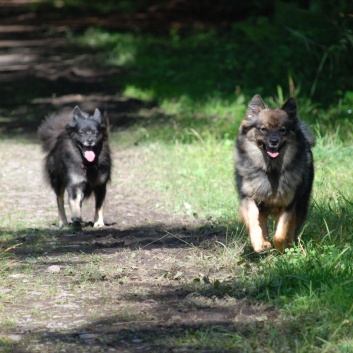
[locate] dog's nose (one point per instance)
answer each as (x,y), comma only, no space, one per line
(274,141)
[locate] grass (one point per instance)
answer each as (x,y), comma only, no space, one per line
(184,176)
(314,287)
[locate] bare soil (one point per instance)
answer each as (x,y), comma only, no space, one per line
(136,285)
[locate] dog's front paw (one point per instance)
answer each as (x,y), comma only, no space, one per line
(62,224)
(281,245)
(98,224)
(261,248)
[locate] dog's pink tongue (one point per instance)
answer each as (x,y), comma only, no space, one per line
(90,156)
(272,154)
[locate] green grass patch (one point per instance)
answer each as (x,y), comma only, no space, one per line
(196,179)
(313,285)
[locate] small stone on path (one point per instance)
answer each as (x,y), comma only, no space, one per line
(16,338)
(54,269)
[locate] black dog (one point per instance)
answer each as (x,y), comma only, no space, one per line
(77,160)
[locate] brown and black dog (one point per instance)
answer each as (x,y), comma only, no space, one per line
(274,172)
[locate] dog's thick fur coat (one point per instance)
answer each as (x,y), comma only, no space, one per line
(274,172)
(77,160)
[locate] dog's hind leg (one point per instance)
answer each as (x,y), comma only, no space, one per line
(285,231)
(99,193)
(256,223)
(61,210)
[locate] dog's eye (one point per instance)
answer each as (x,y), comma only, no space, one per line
(263,130)
(282,130)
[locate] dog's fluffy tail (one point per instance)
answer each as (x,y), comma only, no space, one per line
(52,127)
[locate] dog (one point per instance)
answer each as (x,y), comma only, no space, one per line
(274,172)
(78,160)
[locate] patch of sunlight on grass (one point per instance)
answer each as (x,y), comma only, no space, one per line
(139,93)
(213,106)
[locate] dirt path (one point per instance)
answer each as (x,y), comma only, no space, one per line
(141,283)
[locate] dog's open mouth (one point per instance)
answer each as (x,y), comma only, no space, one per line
(88,153)
(271,152)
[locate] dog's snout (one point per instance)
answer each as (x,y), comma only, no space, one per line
(89,139)
(274,141)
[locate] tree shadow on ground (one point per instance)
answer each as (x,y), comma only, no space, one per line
(111,239)
(152,302)
(217,330)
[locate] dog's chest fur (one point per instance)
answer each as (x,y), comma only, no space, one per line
(272,182)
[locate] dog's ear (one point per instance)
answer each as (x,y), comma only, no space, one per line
(97,116)
(77,113)
(255,106)
(252,114)
(290,107)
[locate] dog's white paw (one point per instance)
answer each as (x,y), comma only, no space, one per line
(98,224)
